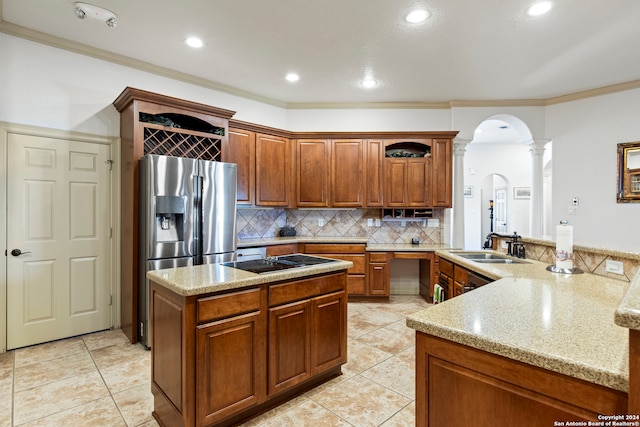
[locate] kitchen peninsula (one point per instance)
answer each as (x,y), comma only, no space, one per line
(228,343)
(532,348)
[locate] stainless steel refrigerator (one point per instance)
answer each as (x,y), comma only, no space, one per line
(187,217)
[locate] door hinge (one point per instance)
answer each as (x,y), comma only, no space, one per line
(141,329)
(110,232)
(110,299)
(110,164)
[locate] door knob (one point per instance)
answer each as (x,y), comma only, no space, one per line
(18,252)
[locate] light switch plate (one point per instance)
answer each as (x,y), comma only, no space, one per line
(433,222)
(616,267)
(369,222)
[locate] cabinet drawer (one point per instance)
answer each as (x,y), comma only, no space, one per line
(446,267)
(411,255)
(460,275)
(357,260)
(302,289)
(226,305)
(290,248)
(328,248)
(377,257)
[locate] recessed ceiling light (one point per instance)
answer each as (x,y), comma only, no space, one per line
(417,16)
(368,83)
(194,42)
(292,77)
(539,8)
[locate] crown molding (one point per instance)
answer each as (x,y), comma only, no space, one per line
(82,49)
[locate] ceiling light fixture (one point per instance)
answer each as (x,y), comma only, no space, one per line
(539,8)
(83,10)
(368,83)
(292,77)
(417,16)
(194,42)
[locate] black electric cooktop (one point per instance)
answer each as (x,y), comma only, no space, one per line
(274,264)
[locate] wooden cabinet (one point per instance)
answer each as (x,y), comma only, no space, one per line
(347,173)
(329,173)
(241,149)
(273,171)
(457,279)
(408,180)
(219,358)
(441,177)
(348,252)
(285,249)
(458,385)
(306,338)
(312,173)
(151,123)
(378,274)
(374,183)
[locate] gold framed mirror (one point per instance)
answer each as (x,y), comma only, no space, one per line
(629,172)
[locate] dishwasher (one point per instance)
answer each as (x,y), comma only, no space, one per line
(248,254)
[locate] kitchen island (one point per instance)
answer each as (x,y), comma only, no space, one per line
(533,348)
(228,344)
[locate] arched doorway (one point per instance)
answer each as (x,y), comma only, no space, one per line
(498,163)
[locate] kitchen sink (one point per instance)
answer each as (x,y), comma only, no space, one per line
(488,258)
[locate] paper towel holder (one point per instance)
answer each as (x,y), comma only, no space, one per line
(554,267)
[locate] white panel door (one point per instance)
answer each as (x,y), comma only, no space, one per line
(58,218)
(500,197)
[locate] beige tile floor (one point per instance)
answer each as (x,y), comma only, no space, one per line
(101,379)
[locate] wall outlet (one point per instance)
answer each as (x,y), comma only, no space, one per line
(369,222)
(433,222)
(378,222)
(320,222)
(615,267)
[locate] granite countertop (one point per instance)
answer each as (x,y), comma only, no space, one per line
(628,313)
(207,278)
(563,323)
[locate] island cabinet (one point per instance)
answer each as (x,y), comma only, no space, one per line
(330,173)
(220,358)
(458,385)
(354,252)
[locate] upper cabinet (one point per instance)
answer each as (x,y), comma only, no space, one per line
(264,160)
(241,149)
(441,176)
(277,168)
(329,173)
(407,173)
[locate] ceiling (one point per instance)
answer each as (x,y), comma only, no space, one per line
(476,51)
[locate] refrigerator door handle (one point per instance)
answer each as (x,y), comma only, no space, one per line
(197,218)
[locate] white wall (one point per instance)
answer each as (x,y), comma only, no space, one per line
(50,87)
(513,162)
(585,135)
(54,88)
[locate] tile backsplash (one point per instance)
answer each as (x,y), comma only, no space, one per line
(265,223)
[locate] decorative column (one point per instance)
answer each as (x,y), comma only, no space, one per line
(536,208)
(459,148)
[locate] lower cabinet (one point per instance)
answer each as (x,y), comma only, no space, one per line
(378,274)
(220,358)
(456,279)
(306,338)
(457,385)
(354,252)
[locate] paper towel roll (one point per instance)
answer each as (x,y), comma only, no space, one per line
(564,245)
